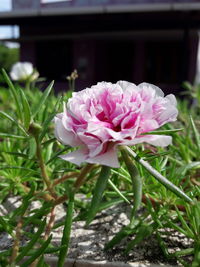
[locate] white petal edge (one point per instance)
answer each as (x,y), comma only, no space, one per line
(77,157)
(64,136)
(124,85)
(159,92)
(108,159)
(155,140)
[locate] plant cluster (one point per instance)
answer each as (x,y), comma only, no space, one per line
(32,169)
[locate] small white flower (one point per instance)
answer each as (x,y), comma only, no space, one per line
(23,71)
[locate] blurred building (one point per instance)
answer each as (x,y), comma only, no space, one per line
(137,40)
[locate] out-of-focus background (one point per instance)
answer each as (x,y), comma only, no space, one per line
(136,40)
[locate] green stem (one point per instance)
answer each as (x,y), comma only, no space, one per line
(27,85)
(66,232)
(98,193)
(173,188)
(43,168)
(136,183)
(35,130)
(81,177)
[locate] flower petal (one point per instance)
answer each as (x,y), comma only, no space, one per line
(155,140)
(77,157)
(64,136)
(108,158)
(150,86)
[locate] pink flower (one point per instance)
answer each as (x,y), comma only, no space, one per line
(100,118)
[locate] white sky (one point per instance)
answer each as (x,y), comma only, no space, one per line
(5,5)
(7,31)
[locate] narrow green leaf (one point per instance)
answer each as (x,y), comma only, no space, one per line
(26,200)
(124,232)
(110,203)
(38,253)
(177,228)
(50,250)
(143,232)
(43,99)
(18,154)
(183,252)
(124,176)
(49,141)
(98,193)
(187,86)
(6,226)
(196,133)
(6,135)
(192,165)
(196,213)
(66,232)
(49,119)
(163,180)
(45,125)
(19,168)
(161,132)
(32,242)
(196,260)
(41,262)
(26,109)
(184,223)
(44,210)
(32,148)
(6,116)
(118,191)
(22,208)
(14,93)
(162,245)
(55,155)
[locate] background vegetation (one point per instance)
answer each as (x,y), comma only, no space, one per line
(26,133)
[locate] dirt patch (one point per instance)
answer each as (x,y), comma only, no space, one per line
(88,243)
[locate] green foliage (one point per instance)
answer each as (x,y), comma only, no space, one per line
(8,56)
(30,168)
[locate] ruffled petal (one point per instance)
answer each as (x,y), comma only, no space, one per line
(64,136)
(77,157)
(155,140)
(109,158)
(150,86)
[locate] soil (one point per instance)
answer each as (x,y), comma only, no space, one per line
(88,243)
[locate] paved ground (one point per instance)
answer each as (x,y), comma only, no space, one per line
(88,243)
